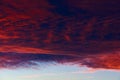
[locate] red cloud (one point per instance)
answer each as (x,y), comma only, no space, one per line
(44,31)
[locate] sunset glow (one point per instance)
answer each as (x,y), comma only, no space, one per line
(59,40)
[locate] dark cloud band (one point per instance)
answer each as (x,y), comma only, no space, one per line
(27,60)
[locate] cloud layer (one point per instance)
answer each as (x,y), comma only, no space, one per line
(47,31)
(16,60)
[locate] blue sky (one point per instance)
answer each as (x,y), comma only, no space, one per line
(58,72)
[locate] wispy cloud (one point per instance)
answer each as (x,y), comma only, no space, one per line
(38,75)
(98,61)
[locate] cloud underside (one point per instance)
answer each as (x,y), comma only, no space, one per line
(52,31)
(21,57)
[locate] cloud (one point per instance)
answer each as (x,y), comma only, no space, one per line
(97,61)
(30,34)
(93,70)
(38,75)
(32,76)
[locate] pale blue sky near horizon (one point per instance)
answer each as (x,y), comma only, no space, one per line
(58,72)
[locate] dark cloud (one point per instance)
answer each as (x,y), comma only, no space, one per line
(62,32)
(28,60)
(14,60)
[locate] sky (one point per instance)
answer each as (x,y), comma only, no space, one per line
(59,72)
(59,40)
